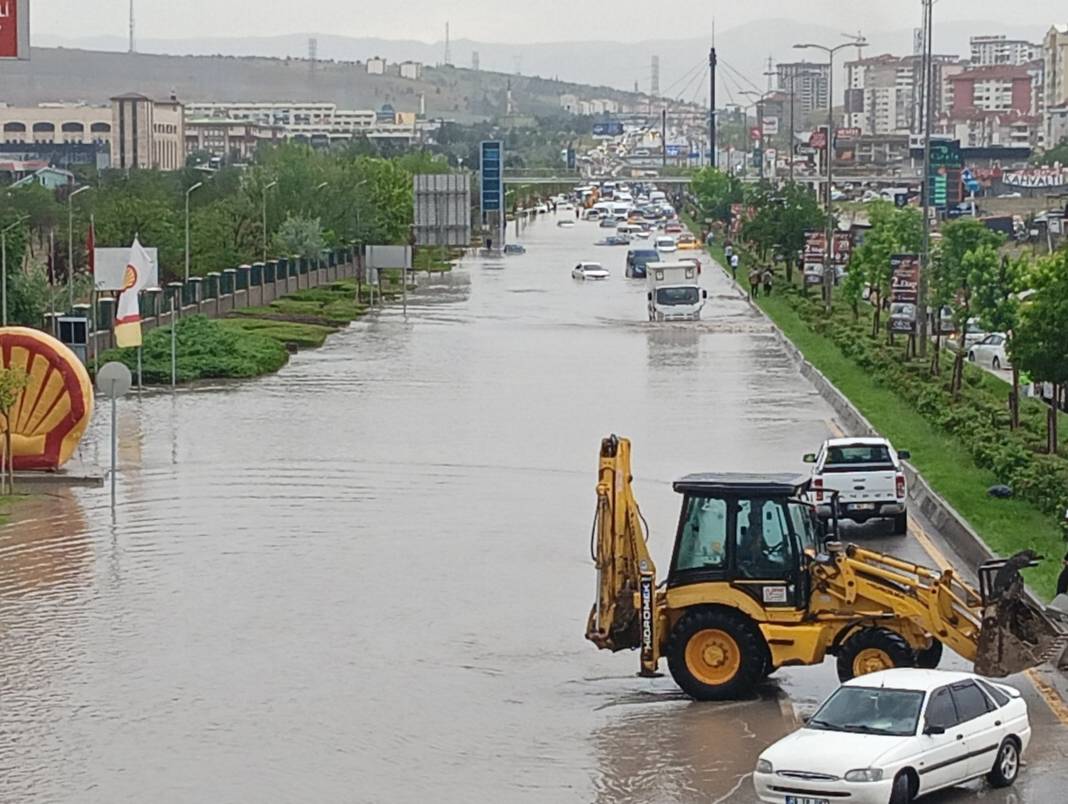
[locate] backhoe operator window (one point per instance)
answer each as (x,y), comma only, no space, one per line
(704,535)
(763,539)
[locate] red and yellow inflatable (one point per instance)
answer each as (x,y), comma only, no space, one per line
(50,417)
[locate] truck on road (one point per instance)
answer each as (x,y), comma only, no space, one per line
(673,292)
(866,476)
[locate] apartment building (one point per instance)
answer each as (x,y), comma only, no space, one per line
(1001,88)
(147,133)
(231,140)
(1055,68)
(295,119)
(882,94)
(988,51)
(808,82)
(1001,129)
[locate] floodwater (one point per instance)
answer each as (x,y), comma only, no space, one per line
(366,578)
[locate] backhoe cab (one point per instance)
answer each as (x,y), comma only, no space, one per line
(755,584)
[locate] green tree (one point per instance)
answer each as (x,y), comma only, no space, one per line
(715,192)
(300,236)
(966,263)
(1054,155)
(1040,345)
(12,383)
(783,216)
(893,231)
(998,306)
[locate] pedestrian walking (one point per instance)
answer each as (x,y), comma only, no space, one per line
(754,282)
(767,277)
(734,267)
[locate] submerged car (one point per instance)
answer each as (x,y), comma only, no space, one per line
(589,270)
(892,736)
(514,248)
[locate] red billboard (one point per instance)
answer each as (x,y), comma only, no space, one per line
(14,28)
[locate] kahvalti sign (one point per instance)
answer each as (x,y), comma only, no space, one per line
(14,29)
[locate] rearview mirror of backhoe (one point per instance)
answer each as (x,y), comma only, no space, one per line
(809,457)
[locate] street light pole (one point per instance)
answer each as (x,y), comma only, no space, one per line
(928,103)
(70,245)
(265,189)
(188,193)
(828,260)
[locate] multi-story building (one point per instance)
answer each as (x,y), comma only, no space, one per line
(999,88)
(411,70)
(1056,124)
(808,82)
(376,66)
(1001,129)
(293,118)
(55,123)
(882,94)
(987,51)
(232,140)
(147,133)
(1055,67)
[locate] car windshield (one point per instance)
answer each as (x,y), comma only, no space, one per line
(870,710)
(854,454)
(669,296)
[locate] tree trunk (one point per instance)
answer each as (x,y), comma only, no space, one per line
(1014,400)
(958,375)
(936,356)
(876,316)
(789,270)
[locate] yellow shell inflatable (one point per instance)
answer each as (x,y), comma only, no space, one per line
(53,410)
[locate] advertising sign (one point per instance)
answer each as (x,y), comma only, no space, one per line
(1038,178)
(608,128)
(754,133)
(841,248)
(109,272)
(947,164)
(14,29)
(818,139)
(491,169)
(904,292)
(442,213)
(771,126)
(813,256)
(846,134)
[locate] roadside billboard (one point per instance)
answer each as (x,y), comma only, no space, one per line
(491,173)
(904,292)
(442,213)
(813,256)
(14,29)
(841,248)
(771,126)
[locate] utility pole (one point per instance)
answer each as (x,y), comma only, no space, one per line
(663,137)
(712,62)
(928,113)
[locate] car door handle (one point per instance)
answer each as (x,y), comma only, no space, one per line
(997,722)
(960,736)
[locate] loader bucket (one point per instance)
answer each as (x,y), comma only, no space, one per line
(1016,634)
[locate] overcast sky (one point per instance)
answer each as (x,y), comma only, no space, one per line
(510,21)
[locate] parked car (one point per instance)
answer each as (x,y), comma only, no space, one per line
(866,477)
(514,248)
(895,735)
(990,351)
(973,333)
(589,270)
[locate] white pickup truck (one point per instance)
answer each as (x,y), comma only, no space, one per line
(868,477)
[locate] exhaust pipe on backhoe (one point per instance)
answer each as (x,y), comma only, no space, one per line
(1016,633)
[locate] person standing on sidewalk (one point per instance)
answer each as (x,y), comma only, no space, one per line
(754,282)
(767,278)
(734,267)
(1062,581)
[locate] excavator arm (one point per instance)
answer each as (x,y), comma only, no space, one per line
(1001,634)
(627,606)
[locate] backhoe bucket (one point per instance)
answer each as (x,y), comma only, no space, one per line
(1016,633)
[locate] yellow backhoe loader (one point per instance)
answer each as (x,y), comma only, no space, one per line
(755,584)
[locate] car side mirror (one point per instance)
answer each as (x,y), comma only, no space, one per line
(904,454)
(810,458)
(932,730)
(649,296)
(704,294)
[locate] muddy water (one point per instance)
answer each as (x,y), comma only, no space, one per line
(366,578)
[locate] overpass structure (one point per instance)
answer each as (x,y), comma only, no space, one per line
(682,181)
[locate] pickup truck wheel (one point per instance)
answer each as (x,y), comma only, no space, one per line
(870,650)
(715,655)
(901,524)
(929,658)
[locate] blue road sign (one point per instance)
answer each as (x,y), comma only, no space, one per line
(492,175)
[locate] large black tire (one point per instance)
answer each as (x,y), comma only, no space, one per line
(901,524)
(1006,764)
(901,792)
(715,654)
(873,649)
(929,658)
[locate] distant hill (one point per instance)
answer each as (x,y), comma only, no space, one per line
(62,74)
(596,63)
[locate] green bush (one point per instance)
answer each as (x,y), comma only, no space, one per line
(207,349)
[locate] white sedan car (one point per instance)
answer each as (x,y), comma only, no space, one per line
(666,245)
(892,736)
(589,270)
(990,351)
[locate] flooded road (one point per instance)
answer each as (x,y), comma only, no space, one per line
(367,578)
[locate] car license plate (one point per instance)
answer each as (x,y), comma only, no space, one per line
(862,507)
(804,800)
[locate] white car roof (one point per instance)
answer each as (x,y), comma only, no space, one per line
(590,265)
(909,678)
(841,442)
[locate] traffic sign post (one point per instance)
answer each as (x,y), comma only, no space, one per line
(113,381)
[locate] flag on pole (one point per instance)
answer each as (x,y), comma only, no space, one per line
(128,314)
(90,246)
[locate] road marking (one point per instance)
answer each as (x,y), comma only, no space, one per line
(1048,693)
(834,427)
